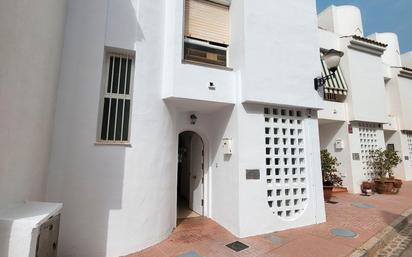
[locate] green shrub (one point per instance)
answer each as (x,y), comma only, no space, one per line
(382,162)
(329,169)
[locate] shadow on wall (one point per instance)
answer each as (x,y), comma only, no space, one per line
(90,178)
(122,14)
(223,117)
(328,132)
(5,230)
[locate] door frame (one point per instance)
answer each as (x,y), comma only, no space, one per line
(206,171)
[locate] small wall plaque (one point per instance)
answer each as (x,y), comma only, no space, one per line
(406,158)
(253,174)
(356,156)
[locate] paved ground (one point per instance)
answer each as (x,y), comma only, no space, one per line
(203,237)
(397,247)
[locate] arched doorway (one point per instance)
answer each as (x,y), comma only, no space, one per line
(190,176)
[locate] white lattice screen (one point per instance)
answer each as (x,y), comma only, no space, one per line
(368,141)
(409,139)
(285,162)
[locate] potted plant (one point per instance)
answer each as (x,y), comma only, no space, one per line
(330,175)
(382,163)
(367,187)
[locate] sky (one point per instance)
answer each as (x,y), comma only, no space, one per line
(382,16)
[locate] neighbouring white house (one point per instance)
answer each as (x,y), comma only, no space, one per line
(163,109)
(136,113)
(367,104)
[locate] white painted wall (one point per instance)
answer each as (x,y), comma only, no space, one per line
(329,40)
(392,54)
(333,111)
(31,35)
(407,59)
(105,188)
(274,46)
(330,132)
(364,74)
(405,94)
(344,20)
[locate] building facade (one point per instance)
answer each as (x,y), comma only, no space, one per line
(364,109)
(144,110)
(137,74)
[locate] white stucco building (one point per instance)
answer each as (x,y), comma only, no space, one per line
(366,106)
(168,102)
(133,113)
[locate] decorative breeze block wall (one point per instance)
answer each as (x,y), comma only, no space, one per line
(409,139)
(287,190)
(368,141)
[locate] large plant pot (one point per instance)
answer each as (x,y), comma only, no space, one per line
(390,186)
(397,183)
(327,193)
(379,187)
(367,186)
(339,190)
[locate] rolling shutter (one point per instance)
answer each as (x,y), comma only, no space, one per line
(207,21)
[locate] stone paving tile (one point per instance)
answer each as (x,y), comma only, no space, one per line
(398,245)
(209,239)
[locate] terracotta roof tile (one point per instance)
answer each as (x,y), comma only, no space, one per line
(370,41)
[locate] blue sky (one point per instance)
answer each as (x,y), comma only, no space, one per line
(382,16)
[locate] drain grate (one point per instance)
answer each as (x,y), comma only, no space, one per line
(276,240)
(363,205)
(189,254)
(343,232)
(237,246)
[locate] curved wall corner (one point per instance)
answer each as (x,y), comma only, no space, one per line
(348,20)
(392,54)
(407,59)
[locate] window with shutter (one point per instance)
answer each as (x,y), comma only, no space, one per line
(206,32)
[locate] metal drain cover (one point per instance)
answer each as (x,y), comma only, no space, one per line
(237,246)
(343,232)
(189,254)
(277,240)
(363,205)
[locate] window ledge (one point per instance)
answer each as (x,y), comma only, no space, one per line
(207,65)
(101,143)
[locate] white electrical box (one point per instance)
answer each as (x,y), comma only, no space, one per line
(227,146)
(29,229)
(339,144)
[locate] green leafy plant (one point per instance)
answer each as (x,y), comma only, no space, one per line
(382,162)
(329,169)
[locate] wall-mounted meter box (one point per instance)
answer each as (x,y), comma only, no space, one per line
(227,146)
(339,144)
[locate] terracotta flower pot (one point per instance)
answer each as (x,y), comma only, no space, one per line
(397,183)
(327,193)
(379,187)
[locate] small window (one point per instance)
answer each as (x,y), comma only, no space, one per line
(116,99)
(206,32)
